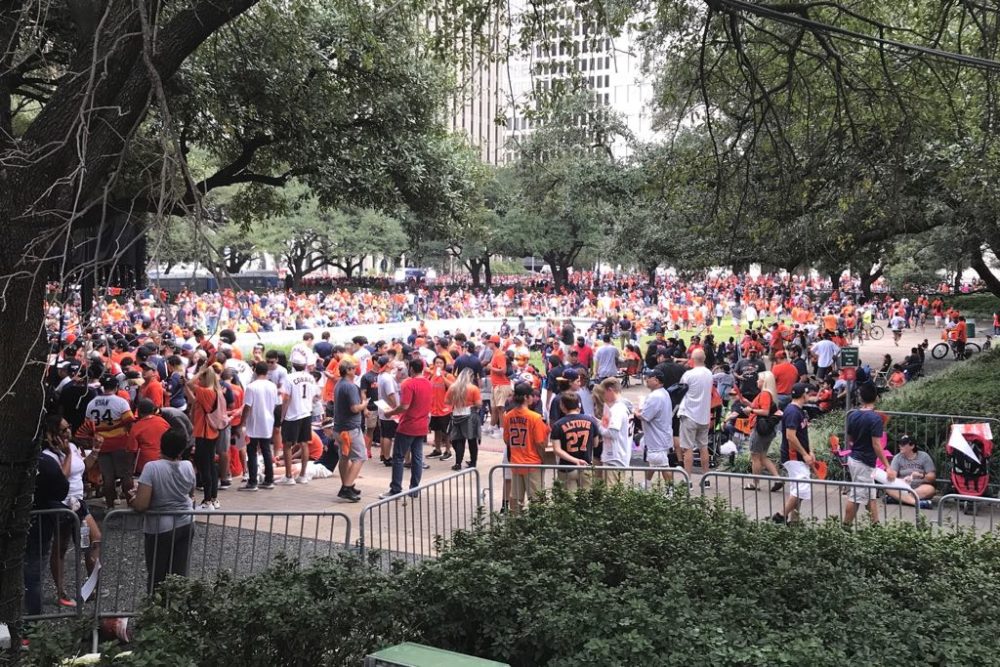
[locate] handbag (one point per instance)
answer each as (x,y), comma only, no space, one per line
(766,426)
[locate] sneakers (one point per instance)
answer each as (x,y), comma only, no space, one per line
(216,505)
(778,518)
(225,483)
(433,455)
(446,456)
(66,602)
(301,480)
(350,495)
(387,463)
(388,494)
(206,506)
(457,466)
(285,481)
(246,477)
(926,504)
(248,487)
(426,466)
(470,464)
(777,486)
(267,486)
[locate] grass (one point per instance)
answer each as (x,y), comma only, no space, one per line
(983,304)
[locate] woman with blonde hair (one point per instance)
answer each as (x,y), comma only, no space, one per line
(203,391)
(763,412)
(464,399)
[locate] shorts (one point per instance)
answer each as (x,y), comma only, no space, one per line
(222,443)
(693,435)
(440,423)
(658,459)
(352,445)
(237,439)
(387,428)
(115,465)
(581,478)
(798,470)
(296,430)
(501,395)
(613,477)
(861,474)
(277,418)
(371,420)
(759,445)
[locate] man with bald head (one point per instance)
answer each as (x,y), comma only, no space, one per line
(696,411)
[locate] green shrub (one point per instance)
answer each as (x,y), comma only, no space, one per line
(611,577)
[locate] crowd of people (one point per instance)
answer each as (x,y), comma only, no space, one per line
(146,408)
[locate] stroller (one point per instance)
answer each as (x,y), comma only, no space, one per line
(969,449)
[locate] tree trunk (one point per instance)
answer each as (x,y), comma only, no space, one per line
(835,280)
(979,266)
(651,273)
(21,368)
(957,283)
(488,269)
(475,268)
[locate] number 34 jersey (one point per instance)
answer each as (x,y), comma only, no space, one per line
(108,416)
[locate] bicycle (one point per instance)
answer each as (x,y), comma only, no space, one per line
(871,331)
(940,351)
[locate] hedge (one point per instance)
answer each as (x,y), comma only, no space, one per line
(610,577)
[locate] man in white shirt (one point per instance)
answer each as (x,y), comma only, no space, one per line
(259,401)
(617,444)
(388,391)
(696,411)
(825,352)
(298,395)
(304,350)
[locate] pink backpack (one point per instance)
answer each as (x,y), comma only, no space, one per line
(219,417)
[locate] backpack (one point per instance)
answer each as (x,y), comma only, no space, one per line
(219,417)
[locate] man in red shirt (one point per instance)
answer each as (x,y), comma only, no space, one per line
(585,353)
(152,388)
(499,380)
(414,410)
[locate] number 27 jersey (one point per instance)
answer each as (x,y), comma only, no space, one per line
(577,435)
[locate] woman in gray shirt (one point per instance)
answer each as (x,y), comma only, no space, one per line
(167,485)
(916,468)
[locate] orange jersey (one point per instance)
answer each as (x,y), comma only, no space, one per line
(524,432)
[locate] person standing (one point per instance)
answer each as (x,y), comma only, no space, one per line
(298,394)
(414,410)
(796,457)
(167,485)
(762,411)
(696,412)
(440,380)
(616,416)
(259,401)
(108,418)
(525,434)
(573,438)
(606,359)
(499,381)
(348,414)
(865,429)
(203,393)
(657,427)
(464,399)
(388,392)
(825,352)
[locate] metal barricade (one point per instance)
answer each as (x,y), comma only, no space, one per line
(973,513)
(52,530)
(202,544)
(827,499)
(408,526)
(931,432)
(581,476)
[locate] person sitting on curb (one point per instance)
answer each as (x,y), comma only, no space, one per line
(917,468)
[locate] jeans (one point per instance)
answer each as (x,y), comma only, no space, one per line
(204,462)
(36,558)
(167,553)
(265,450)
(401,445)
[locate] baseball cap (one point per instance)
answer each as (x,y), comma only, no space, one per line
(109,382)
(570,374)
(800,389)
(656,373)
(495,340)
(187,347)
(907,440)
(523,389)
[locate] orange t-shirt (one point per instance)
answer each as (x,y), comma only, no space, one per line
(830,322)
(498,370)
(439,389)
(785,376)
(153,391)
(205,400)
(524,432)
(334,368)
(144,438)
(315,447)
